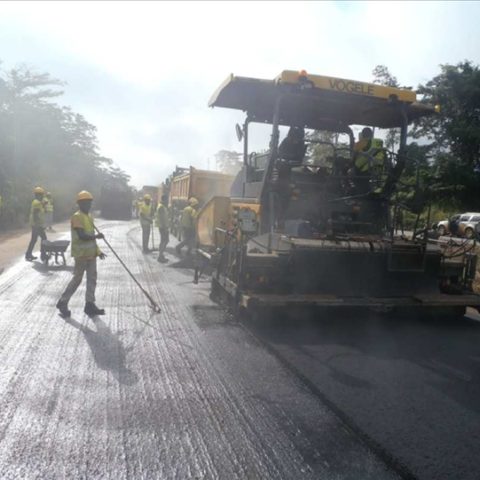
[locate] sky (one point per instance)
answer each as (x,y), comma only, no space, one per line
(143,72)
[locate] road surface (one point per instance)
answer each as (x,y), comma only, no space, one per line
(185,394)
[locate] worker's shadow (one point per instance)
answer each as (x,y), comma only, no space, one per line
(108,351)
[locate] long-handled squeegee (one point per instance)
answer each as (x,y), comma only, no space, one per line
(153,305)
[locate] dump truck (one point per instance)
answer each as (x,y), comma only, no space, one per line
(295,234)
(193,182)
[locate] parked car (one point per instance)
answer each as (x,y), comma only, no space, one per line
(449,226)
(467,224)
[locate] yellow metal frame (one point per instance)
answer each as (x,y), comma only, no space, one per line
(348,86)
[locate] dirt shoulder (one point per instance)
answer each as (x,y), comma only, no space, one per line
(14,243)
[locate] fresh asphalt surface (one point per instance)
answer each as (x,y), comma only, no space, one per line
(190,394)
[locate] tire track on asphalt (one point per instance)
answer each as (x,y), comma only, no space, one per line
(253,427)
(176,390)
(185,316)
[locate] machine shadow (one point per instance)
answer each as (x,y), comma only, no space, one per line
(447,346)
(108,351)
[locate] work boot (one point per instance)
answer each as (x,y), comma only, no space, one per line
(162,259)
(30,258)
(91,309)
(64,311)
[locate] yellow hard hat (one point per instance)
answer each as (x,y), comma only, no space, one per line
(147,197)
(38,190)
(193,201)
(84,195)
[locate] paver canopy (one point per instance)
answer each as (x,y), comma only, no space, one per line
(319,102)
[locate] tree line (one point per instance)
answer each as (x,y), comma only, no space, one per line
(47,144)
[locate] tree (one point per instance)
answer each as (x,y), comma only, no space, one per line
(228,161)
(320,153)
(382,76)
(454,133)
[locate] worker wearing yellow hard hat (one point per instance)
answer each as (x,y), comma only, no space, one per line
(146,220)
(85,252)
(187,223)
(37,222)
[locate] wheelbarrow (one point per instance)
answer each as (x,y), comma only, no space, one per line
(55,249)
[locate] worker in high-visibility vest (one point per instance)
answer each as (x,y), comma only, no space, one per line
(161,220)
(187,223)
(369,161)
(146,220)
(37,222)
(48,203)
(85,252)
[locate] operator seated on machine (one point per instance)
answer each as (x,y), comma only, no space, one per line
(293,148)
(368,162)
(291,153)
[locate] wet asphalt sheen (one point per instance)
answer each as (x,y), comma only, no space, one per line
(189,394)
(409,387)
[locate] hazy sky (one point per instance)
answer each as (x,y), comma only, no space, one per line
(143,72)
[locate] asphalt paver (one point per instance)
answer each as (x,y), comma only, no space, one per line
(184,394)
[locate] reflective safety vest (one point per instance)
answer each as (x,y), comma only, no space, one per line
(188,217)
(145,212)
(161,218)
(83,248)
(370,160)
(49,205)
(39,221)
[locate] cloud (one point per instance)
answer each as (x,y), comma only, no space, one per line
(142,72)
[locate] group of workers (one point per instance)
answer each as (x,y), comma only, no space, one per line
(161,219)
(84,236)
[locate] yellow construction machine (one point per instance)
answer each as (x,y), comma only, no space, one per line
(295,233)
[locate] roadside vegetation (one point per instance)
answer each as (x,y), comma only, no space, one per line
(444,149)
(45,143)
